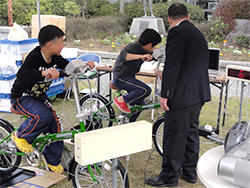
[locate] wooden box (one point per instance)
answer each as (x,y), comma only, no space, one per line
(59,21)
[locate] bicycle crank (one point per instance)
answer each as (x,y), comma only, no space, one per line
(33,158)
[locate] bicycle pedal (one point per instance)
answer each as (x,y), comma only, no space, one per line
(121,113)
(43,164)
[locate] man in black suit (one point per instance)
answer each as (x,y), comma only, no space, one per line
(185,89)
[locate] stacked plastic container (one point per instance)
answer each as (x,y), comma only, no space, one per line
(16,49)
(58,85)
(6,82)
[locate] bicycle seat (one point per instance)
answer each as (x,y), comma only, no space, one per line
(15,111)
(112,86)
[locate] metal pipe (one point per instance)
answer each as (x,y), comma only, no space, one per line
(114,172)
(38,14)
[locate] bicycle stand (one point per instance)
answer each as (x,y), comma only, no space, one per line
(210,133)
(114,172)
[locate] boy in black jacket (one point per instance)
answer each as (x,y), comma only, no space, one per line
(28,95)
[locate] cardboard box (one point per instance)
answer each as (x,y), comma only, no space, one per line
(59,21)
(43,179)
(148,67)
(146,79)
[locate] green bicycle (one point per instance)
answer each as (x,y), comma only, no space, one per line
(94,175)
(99,109)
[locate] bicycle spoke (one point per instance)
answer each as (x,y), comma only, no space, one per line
(82,176)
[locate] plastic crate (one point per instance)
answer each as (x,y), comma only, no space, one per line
(5,103)
(18,47)
(54,90)
(58,81)
(6,82)
(19,63)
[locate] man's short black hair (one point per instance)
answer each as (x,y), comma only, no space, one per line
(49,33)
(177,11)
(149,36)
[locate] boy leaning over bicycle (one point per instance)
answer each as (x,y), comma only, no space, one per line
(127,64)
(28,95)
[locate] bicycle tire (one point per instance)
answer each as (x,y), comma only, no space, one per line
(91,104)
(158,129)
(8,162)
(82,178)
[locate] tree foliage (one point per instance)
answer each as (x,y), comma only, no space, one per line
(229,10)
(52,7)
(93,7)
(3,12)
(71,8)
(23,11)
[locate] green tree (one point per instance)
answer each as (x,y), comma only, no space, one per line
(3,12)
(93,7)
(23,11)
(82,4)
(71,8)
(53,7)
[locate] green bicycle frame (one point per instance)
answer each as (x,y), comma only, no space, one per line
(133,109)
(52,137)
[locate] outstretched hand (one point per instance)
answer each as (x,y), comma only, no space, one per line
(51,73)
(158,73)
(91,64)
(147,57)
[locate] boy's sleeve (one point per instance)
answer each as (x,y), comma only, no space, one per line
(129,49)
(29,73)
(62,63)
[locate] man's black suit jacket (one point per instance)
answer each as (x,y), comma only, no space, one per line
(185,79)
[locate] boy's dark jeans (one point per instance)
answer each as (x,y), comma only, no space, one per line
(42,119)
(137,91)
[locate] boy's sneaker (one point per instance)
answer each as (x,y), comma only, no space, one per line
(57,169)
(122,106)
(22,144)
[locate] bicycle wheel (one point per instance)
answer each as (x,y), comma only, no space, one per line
(158,129)
(8,162)
(81,176)
(96,103)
